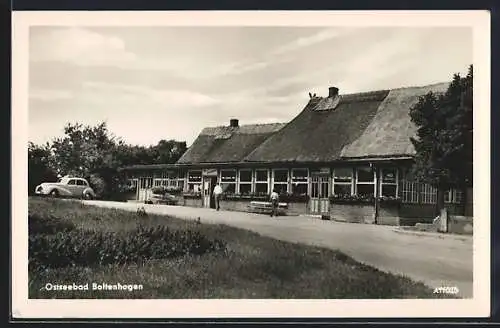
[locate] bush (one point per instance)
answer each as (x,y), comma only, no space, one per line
(86,248)
(98,184)
(160,190)
(109,185)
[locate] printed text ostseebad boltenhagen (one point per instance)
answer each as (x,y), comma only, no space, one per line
(94,286)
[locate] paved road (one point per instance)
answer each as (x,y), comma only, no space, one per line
(435,259)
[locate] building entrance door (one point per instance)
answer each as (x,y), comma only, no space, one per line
(208,189)
(319,202)
(144,188)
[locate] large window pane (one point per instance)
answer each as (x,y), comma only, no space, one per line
(365,190)
(365,174)
(281,188)
(193,187)
(299,175)
(280,175)
(342,189)
(261,188)
(246,176)
(299,189)
(261,175)
(245,188)
(389,176)
(389,190)
(409,191)
(453,196)
(194,176)
(428,194)
(342,175)
(228,176)
(229,188)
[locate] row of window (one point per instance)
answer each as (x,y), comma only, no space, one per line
(147,183)
(296,181)
(358,181)
(413,192)
(174,183)
(256,181)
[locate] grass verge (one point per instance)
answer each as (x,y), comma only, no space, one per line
(249,266)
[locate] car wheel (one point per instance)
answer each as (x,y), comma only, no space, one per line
(54,193)
(87,196)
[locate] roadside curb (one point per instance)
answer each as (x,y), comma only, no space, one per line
(434,234)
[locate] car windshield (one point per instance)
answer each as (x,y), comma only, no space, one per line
(64,180)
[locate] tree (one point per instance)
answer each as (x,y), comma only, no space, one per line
(92,152)
(39,166)
(165,152)
(168,151)
(443,143)
(83,149)
(89,152)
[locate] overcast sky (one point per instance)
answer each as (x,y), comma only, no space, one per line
(152,83)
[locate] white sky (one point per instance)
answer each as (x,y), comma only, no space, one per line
(152,83)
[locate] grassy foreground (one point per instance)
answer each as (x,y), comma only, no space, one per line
(247,266)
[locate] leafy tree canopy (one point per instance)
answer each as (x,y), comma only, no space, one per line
(94,153)
(443,142)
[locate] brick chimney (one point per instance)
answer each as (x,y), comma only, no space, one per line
(333,92)
(234,123)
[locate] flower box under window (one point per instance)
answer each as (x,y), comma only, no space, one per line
(243,197)
(294,198)
(286,198)
(166,189)
(191,195)
(352,199)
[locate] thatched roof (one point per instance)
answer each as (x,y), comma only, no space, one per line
(225,144)
(388,134)
(372,125)
(320,135)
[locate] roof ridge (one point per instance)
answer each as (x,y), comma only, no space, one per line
(363,93)
(421,86)
(243,125)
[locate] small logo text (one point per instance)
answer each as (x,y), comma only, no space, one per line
(446,290)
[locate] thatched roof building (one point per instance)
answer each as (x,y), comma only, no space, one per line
(338,127)
(228,144)
(343,154)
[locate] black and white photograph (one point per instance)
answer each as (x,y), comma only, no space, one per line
(263,159)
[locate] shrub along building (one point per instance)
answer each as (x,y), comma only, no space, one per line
(347,156)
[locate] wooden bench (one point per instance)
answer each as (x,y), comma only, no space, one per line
(266,207)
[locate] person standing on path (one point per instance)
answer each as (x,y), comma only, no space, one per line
(274,202)
(217,194)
